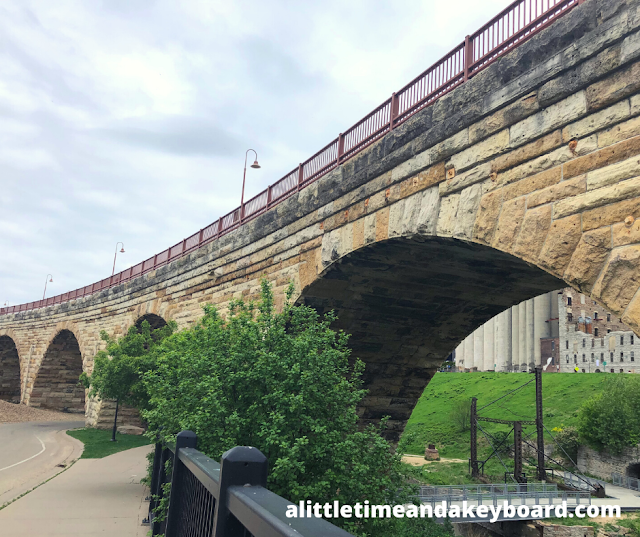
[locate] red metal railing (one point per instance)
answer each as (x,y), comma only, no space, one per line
(508,29)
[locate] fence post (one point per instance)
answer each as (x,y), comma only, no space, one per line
(185,439)
(153,487)
(468,57)
(340,147)
(300,175)
(393,110)
(240,466)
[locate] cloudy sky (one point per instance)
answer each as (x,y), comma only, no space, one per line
(128,120)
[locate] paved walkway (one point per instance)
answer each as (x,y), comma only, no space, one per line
(94,497)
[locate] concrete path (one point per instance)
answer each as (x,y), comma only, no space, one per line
(32,452)
(94,497)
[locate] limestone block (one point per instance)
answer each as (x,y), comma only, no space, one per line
(622,84)
(624,234)
(603,157)
(463,180)
(588,259)
(562,239)
(635,105)
(556,192)
(331,247)
(396,217)
(620,278)
(429,209)
(632,314)
(382,224)
(487,216)
(358,234)
(610,214)
(481,152)
(412,166)
(370,228)
(467,210)
(130,429)
(614,173)
(509,223)
(447,215)
(597,198)
(595,122)
(527,152)
(523,107)
(533,183)
(619,133)
(552,117)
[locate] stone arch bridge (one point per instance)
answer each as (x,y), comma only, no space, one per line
(523,177)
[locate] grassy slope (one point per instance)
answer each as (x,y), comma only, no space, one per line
(97,442)
(430,422)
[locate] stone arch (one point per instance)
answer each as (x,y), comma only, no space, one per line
(408,302)
(56,385)
(633,470)
(9,370)
(155,321)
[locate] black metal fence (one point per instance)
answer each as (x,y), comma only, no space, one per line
(226,499)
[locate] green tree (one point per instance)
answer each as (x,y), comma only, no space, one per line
(280,382)
(118,370)
(611,419)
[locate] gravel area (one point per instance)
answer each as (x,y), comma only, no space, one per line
(12,413)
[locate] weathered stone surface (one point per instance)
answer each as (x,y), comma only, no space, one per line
(595,122)
(475,175)
(533,183)
(619,133)
(565,189)
(610,214)
(622,84)
(556,115)
(509,224)
(429,209)
(467,210)
(533,233)
(588,259)
(522,108)
(527,152)
(480,152)
(130,429)
(603,157)
(447,216)
(382,224)
(597,198)
(632,314)
(613,174)
(562,239)
(635,105)
(620,278)
(487,216)
(624,234)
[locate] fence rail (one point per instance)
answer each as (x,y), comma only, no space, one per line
(230,499)
(517,23)
(625,481)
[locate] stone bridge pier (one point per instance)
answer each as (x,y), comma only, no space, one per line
(520,181)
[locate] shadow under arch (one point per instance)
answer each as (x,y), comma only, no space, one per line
(57,381)
(9,370)
(408,302)
(155,321)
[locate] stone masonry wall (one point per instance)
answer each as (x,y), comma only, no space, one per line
(532,166)
(603,464)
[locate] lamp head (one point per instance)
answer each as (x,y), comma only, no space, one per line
(255,164)
(50,280)
(122,250)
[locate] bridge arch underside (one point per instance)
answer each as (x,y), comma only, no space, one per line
(155,321)
(407,303)
(9,370)
(57,384)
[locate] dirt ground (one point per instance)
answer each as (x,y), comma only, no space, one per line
(416,460)
(12,413)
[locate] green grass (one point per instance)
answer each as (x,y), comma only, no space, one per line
(430,422)
(97,442)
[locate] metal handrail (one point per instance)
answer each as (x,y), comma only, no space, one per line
(510,28)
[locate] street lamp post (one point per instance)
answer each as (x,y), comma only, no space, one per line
(244,176)
(50,279)
(116,255)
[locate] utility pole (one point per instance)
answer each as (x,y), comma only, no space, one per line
(517,451)
(542,475)
(474,438)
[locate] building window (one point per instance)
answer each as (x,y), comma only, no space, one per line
(602,342)
(622,356)
(622,371)
(584,358)
(612,370)
(595,332)
(584,343)
(593,343)
(567,343)
(621,340)
(569,317)
(602,356)
(592,357)
(632,356)
(608,317)
(575,358)
(567,358)
(568,301)
(631,339)
(608,330)
(583,371)
(611,357)
(595,315)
